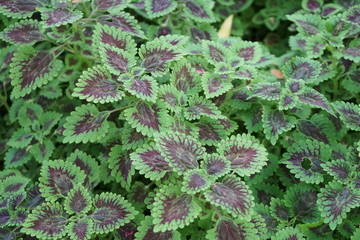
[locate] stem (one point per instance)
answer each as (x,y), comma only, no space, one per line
(119,109)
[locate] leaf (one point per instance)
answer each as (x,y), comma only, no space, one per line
(173,209)
(245,72)
(5,217)
(146,231)
(148,161)
(301,199)
(46,221)
(57,178)
(123,21)
(304,159)
(214,52)
(31,69)
(48,120)
(81,229)
(78,200)
(121,166)
(301,68)
(215,165)
(210,131)
(275,123)
(267,91)
(23,32)
(130,138)
(287,101)
(335,200)
(279,211)
(171,98)
(14,184)
(195,181)
(174,39)
(199,10)
(19,8)
(352,15)
(307,24)
(60,16)
(111,35)
(233,196)
(20,138)
(156,54)
(312,5)
(215,85)
(85,124)
(249,52)
(185,78)
(225,28)
(116,60)
(313,98)
(96,85)
(29,114)
(158,8)
(199,106)
(339,169)
(289,232)
(246,154)
(143,87)
(111,6)
(146,118)
(349,114)
(42,151)
(111,212)
(181,151)
(87,164)
(16,157)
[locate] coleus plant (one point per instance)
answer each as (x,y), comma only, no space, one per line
(134,120)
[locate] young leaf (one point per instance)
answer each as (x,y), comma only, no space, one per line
(24,32)
(214,52)
(249,52)
(215,165)
(195,181)
(146,231)
(158,8)
(156,54)
(48,120)
(215,85)
(104,34)
(171,98)
(123,21)
(233,196)
(81,229)
(173,209)
(143,87)
(199,106)
(85,124)
(42,151)
(111,211)
(132,139)
(300,68)
(121,165)
(335,200)
(46,221)
(146,118)
(275,123)
(150,162)
(199,10)
(185,78)
(246,154)
(116,60)
(304,159)
(96,85)
(20,138)
(349,114)
(210,131)
(31,69)
(78,200)
(60,16)
(58,178)
(181,151)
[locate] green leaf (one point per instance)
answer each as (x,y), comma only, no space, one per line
(42,151)
(143,87)
(78,200)
(46,221)
(146,231)
(349,114)
(60,16)
(215,85)
(249,52)
(20,138)
(200,10)
(57,178)
(200,106)
(195,180)
(85,124)
(31,69)
(16,157)
(215,165)
(80,229)
(158,8)
(288,233)
(116,60)
(121,166)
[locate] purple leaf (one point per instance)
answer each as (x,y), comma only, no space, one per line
(353,15)
(233,196)
(199,106)
(185,78)
(121,165)
(112,36)
(181,151)
(287,101)
(19,8)
(96,85)
(339,169)
(300,68)
(307,24)
(16,157)
(314,99)
(24,32)
(268,91)
(199,11)
(214,52)
(216,165)
(58,178)
(117,60)
(150,162)
(111,212)
(245,153)
(195,181)
(250,52)
(5,216)
(210,131)
(349,114)
(158,8)
(80,229)
(110,5)
(32,69)
(58,17)
(312,5)
(46,221)
(146,231)
(78,200)
(215,85)
(143,87)
(126,232)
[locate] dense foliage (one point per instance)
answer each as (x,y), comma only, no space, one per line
(189,119)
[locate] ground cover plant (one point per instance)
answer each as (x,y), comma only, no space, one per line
(189,119)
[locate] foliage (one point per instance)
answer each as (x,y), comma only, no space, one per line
(171,120)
